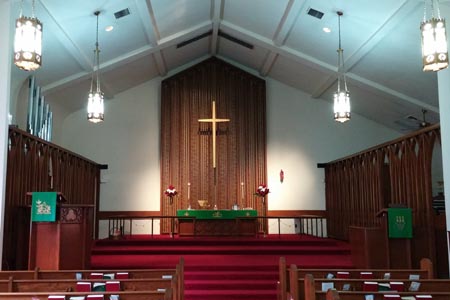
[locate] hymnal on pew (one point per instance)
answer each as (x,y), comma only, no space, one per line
(397,286)
(95,297)
(99,287)
(366,275)
(83,286)
(113,286)
(391,297)
(56,297)
(370,286)
(122,275)
(96,276)
(77,298)
(343,275)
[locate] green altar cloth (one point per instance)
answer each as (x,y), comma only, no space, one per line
(216,214)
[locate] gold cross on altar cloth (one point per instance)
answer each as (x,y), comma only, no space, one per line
(214,122)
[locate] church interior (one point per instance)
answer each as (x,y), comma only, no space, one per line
(235,144)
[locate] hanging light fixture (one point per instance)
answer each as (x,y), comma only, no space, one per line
(28,41)
(95,108)
(434,40)
(341,97)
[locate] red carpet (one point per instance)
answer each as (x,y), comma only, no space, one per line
(222,268)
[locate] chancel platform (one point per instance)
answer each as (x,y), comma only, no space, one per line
(217,222)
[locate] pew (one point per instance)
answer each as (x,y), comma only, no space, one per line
(123,295)
(312,293)
(51,281)
(425,271)
(70,285)
(71,274)
(338,295)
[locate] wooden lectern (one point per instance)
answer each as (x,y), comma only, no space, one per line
(372,247)
(63,244)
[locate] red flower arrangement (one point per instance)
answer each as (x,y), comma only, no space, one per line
(262,190)
(171,192)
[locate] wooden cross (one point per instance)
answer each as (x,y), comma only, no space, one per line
(214,122)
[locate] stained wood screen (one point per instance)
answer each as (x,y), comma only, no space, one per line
(398,172)
(35,165)
(186,146)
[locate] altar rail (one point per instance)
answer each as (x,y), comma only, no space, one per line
(120,225)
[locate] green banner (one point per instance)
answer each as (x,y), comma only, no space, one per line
(216,214)
(400,222)
(43,208)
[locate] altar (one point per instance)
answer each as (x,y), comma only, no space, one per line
(205,222)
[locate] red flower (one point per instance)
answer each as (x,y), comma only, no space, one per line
(171,191)
(262,190)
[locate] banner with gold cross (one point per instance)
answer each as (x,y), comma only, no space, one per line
(400,222)
(43,208)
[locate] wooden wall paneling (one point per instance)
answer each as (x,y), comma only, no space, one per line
(241,154)
(358,183)
(28,169)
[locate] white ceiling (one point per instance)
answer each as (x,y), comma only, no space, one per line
(381,42)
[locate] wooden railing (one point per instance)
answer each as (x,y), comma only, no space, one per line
(120,225)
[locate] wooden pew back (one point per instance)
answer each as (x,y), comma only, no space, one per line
(128,295)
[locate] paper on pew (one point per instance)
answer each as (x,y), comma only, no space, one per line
(391,297)
(161,290)
(414,286)
(113,297)
(327,285)
(414,277)
(167,277)
(408,298)
(368,297)
(57,297)
(77,298)
(424,297)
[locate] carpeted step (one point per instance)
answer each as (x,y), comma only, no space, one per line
(227,284)
(230,274)
(222,250)
(223,268)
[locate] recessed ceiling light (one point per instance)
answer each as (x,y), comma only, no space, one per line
(109,28)
(326,29)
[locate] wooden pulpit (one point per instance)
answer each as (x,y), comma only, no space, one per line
(381,247)
(65,243)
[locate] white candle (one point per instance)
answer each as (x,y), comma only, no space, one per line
(242,190)
(189,190)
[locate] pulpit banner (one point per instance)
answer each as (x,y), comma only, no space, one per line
(43,208)
(400,222)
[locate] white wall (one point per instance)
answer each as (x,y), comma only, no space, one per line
(128,141)
(301,133)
